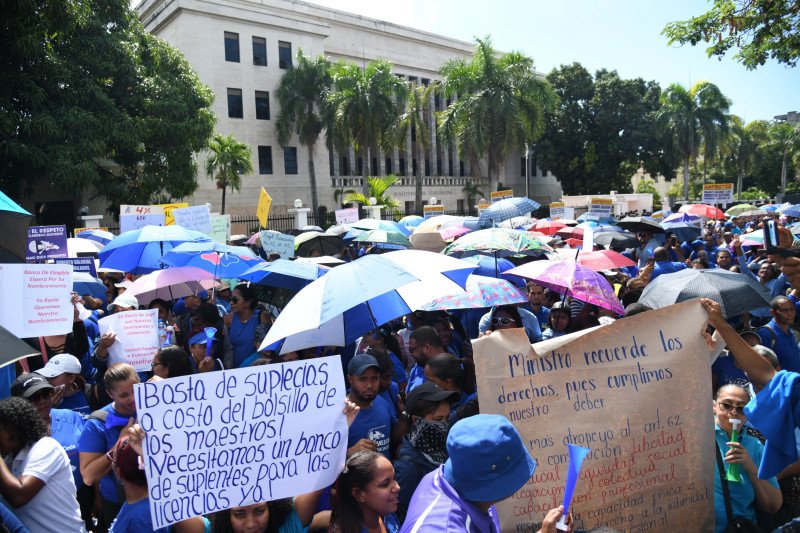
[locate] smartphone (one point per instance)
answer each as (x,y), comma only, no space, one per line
(770,236)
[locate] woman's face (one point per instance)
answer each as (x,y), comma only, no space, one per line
(198,352)
(559,320)
(444,384)
(250,518)
(43,402)
(122,394)
(65,379)
(501,316)
(159,368)
(238,303)
(381,494)
(440,414)
(445,336)
(729,404)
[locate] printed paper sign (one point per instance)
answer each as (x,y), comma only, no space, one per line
(35,299)
(569,213)
(76,231)
(601,206)
(718,193)
(264,203)
(80,264)
(483,206)
(137,337)
(220,228)
(650,466)
(429,211)
(496,196)
(46,242)
(197,217)
(276,242)
(134,222)
(346,216)
(168,209)
(237,437)
(556,210)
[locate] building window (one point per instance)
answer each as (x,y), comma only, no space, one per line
(389,166)
(359,166)
(290,160)
(414,167)
(262,105)
(427,167)
(231,47)
(374,166)
(284,55)
(401,163)
(460,205)
(461,169)
(522,167)
(344,167)
(410,207)
(260,51)
(450,166)
(330,162)
(265,159)
(235,103)
(438,167)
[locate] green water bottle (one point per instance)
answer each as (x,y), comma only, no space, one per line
(734,474)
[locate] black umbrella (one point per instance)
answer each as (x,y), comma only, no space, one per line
(323,243)
(615,239)
(12,348)
(636,224)
(735,292)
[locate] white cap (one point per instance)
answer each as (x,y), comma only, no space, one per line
(124,300)
(60,364)
(124,284)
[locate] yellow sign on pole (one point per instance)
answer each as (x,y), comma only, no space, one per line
(262,211)
(169,220)
(496,196)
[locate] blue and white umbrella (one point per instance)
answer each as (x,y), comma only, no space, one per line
(791,211)
(286,274)
(97,235)
(388,225)
(84,284)
(222,260)
(411,221)
(142,251)
(506,209)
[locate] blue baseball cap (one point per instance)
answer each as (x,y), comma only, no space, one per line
(697,242)
(199,338)
(488,460)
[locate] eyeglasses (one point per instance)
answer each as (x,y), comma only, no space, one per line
(234,300)
(412,348)
(502,321)
(729,407)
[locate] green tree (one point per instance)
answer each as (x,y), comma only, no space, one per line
(301,96)
(90,101)
(228,161)
(760,29)
(377,187)
(499,106)
(472,191)
(413,118)
(648,186)
(785,138)
(689,115)
(741,149)
(361,109)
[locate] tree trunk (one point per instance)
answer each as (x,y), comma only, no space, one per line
(418,178)
(739,182)
(783,176)
(223,199)
(364,171)
(686,180)
(312,179)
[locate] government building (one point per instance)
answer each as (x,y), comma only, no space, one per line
(241,48)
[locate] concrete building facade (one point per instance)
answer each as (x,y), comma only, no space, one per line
(241,48)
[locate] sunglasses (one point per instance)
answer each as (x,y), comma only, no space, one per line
(502,321)
(729,407)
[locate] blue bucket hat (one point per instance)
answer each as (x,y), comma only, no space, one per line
(488,460)
(199,338)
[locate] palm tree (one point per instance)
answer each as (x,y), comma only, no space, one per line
(228,161)
(688,116)
(785,138)
(362,107)
(413,118)
(301,96)
(741,148)
(471,191)
(500,106)
(377,188)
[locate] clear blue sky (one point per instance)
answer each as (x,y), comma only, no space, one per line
(624,35)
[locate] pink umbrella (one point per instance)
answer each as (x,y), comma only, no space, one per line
(573,279)
(253,239)
(604,260)
(171,283)
(453,232)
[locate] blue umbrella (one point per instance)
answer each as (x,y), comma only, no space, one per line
(411,221)
(769,207)
(792,211)
(685,231)
(593,217)
(682,217)
(388,225)
(14,221)
(142,251)
(222,260)
(84,284)
(588,224)
(292,275)
(505,209)
(493,267)
(97,235)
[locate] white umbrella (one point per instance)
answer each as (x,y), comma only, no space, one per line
(82,246)
(171,283)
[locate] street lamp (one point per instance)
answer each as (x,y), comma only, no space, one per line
(372,200)
(298,203)
(433,200)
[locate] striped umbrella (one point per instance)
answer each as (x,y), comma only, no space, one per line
(506,209)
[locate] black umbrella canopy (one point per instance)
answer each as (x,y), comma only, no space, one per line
(323,244)
(636,224)
(12,348)
(615,239)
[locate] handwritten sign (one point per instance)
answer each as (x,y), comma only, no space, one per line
(556,210)
(612,390)
(196,217)
(134,222)
(140,210)
(137,337)
(601,206)
(237,437)
(717,193)
(429,211)
(169,220)
(46,242)
(220,228)
(496,196)
(77,231)
(346,216)
(262,211)
(277,242)
(80,264)
(35,299)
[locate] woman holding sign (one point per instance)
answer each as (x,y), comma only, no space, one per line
(242,321)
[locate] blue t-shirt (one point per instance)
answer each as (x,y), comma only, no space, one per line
(374,423)
(398,370)
(135,517)
(78,402)
(390,395)
(66,427)
(97,438)
(292,524)
(415,378)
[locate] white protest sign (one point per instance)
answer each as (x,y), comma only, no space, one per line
(346,216)
(196,217)
(35,299)
(134,222)
(220,228)
(601,206)
(556,210)
(236,437)
(137,337)
(276,242)
(569,213)
(717,193)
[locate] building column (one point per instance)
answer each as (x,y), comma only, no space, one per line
(396,162)
(381,163)
(432,134)
(336,163)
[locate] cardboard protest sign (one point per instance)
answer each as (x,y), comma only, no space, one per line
(636,393)
(718,193)
(496,196)
(262,211)
(35,299)
(169,220)
(137,337)
(237,437)
(220,228)
(133,217)
(346,216)
(196,217)
(46,242)
(277,242)
(80,264)
(429,211)
(601,206)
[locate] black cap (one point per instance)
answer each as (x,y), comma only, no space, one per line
(430,392)
(27,385)
(360,362)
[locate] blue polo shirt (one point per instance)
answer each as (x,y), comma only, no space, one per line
(416,377)
(666,267)
(97,438)
(66,427)
(374,423)
(784,345)
(743,495)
